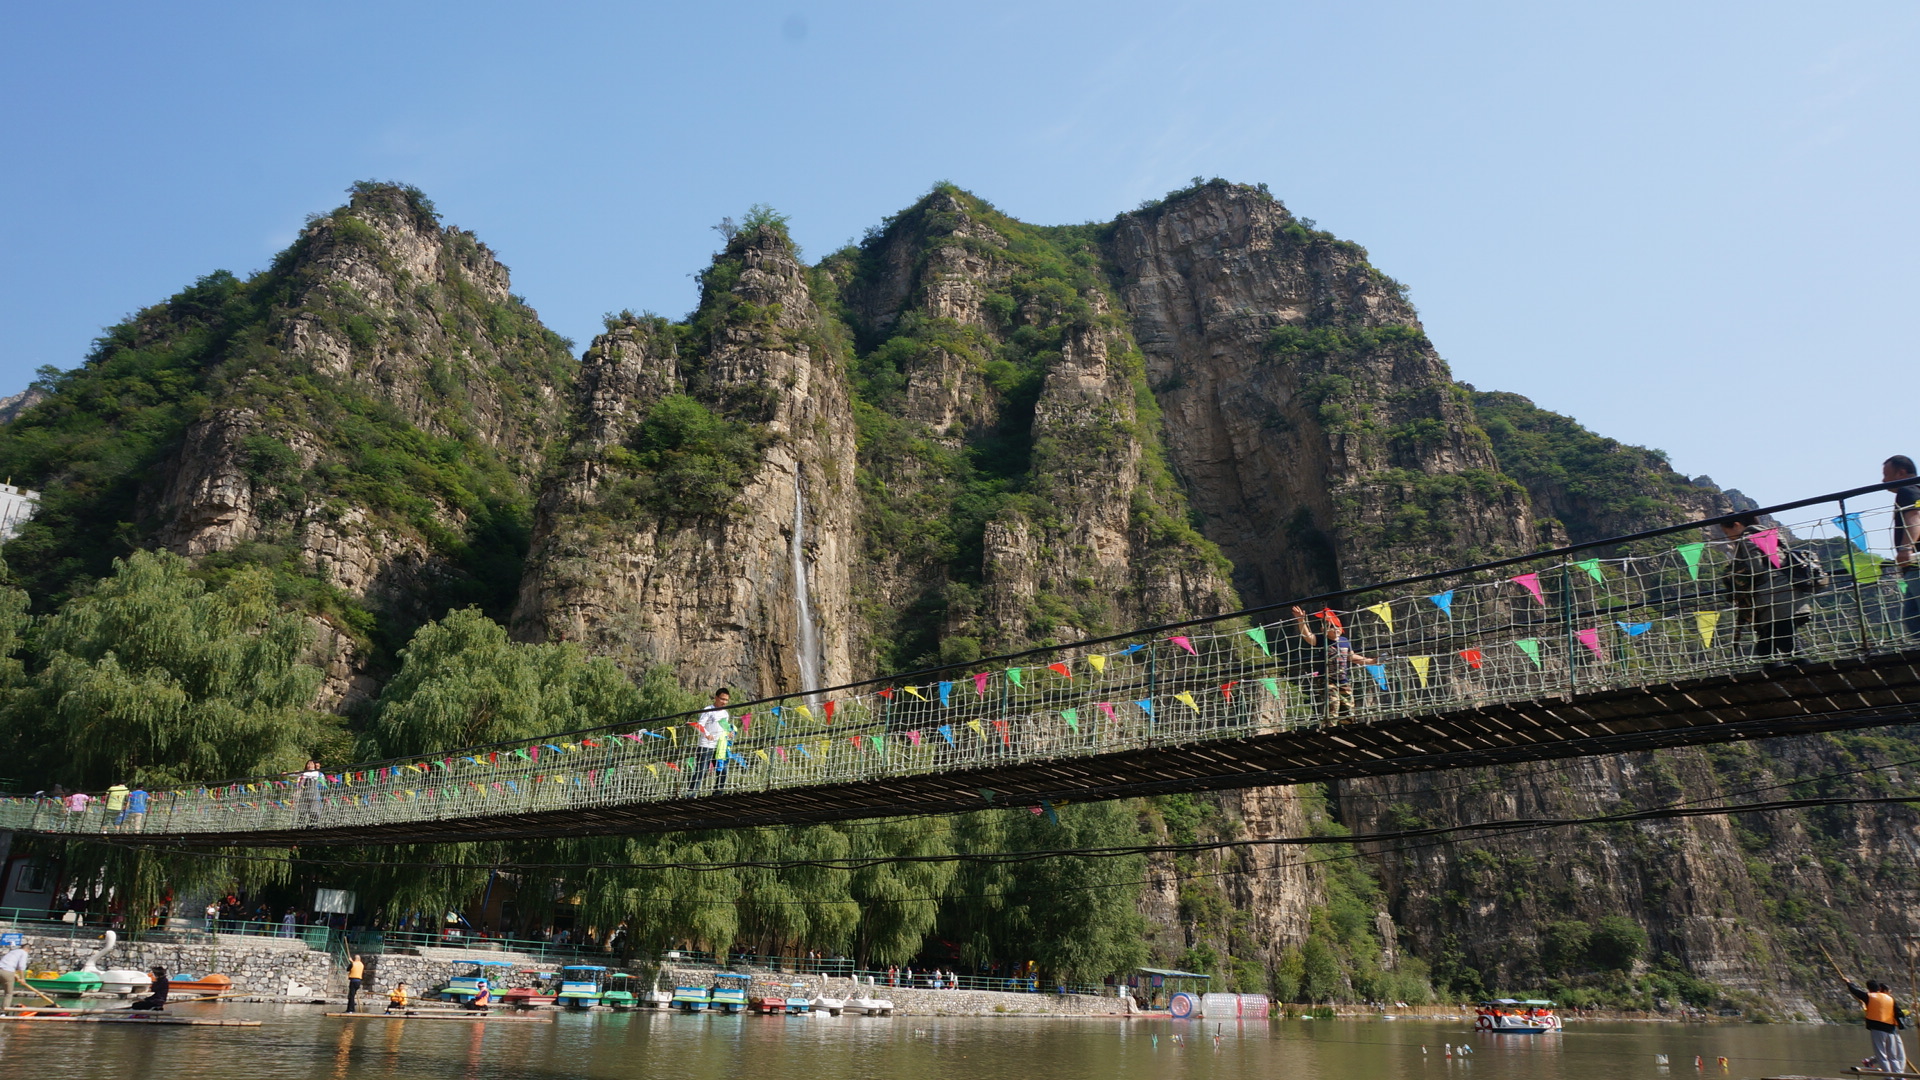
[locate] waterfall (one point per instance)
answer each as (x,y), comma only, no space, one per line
(808,649)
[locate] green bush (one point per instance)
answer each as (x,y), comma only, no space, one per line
(689,460)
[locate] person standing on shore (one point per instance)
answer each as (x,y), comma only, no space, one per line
(1883,1025)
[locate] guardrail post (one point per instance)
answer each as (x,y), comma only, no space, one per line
(1566,625)
(1853,563)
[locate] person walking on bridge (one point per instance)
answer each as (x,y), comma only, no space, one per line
(1899,474)
(711,728)
(1883,1025)
(1763,595)
(1337,666)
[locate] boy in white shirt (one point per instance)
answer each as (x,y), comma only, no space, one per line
(711,727)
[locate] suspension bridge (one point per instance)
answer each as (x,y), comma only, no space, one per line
(1632,643)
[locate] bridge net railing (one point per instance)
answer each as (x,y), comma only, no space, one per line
(1648,611)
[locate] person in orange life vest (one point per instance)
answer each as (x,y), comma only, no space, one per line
(1883,1016)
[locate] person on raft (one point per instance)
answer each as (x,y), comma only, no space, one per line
(157,1000)
(1884,1018)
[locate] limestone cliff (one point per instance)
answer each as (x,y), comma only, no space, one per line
(709,488)
(1316,430)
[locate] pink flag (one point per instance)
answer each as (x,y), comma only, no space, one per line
(1532,584)
(780,752)
(913,737)
(1107,707)
(980,683)
(1768,540)
(1591,639)
(1185,643)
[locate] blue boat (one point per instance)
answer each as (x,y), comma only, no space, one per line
(729,992)
(580,985)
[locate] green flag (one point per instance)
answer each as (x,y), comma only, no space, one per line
(1013,673)
(1530,646)
(1272,685)
(1259,636)
(1072,717)
(1691,553)
(1592,567)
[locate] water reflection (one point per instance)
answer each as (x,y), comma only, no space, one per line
(296,1042)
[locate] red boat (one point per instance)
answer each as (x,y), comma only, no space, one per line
(184,985)
(530,997)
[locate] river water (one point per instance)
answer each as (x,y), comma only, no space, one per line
(296,1041)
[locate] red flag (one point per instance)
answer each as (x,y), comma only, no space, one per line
(1061,668)
(1471,656)
(829,712)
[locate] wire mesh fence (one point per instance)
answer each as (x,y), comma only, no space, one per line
(1703,600)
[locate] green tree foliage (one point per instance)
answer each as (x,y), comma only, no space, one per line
(152,676)
(1078,919)
(1563,947)
(1616,943)
(687,460)
(463,683)
(1595,486)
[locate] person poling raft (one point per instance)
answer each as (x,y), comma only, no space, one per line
(1884,1016)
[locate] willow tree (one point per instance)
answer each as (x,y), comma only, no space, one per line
(463,683)
(152,677)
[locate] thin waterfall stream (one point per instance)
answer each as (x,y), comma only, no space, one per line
(808,637)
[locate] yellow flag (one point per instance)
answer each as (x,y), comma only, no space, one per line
(1706,621)
(824,745)
(977,729)
(1187,700)
(1097,662)
(1420,664)
(915,691)
(653,770)
(1384,609)
(762,755)
(803,711)
(674,734)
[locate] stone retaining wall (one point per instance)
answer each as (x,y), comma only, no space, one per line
(257,965)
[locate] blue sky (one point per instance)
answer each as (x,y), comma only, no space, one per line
(1689,226)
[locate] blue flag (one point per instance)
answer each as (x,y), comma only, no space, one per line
(1379,673)
(947,731)
(1635,629)
(1146,706)
(1850,524)
(946,688)
(1443,601)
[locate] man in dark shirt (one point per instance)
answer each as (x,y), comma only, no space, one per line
(157,1000)
(1898,472)
(1883,1017)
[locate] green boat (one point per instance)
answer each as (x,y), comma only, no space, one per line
(69,984)
(619,997)
(729,992)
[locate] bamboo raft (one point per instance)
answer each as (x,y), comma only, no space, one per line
(121,1016)
(443,1014)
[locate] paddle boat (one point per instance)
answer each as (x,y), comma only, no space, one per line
(582,985)
(691,998)
(862,1000)
(618,996)
(729,992)
(656,998)
(821,1002)
(1511,1016)
(123,981)
(532,997)
(770,1006)
(65,984)
(180,985)
(799,1006)
(464,988)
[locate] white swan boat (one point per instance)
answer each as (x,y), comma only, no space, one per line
(123,981)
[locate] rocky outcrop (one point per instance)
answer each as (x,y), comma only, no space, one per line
(1317,432)
(673,575)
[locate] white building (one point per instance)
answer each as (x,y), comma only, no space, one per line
(16,506)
